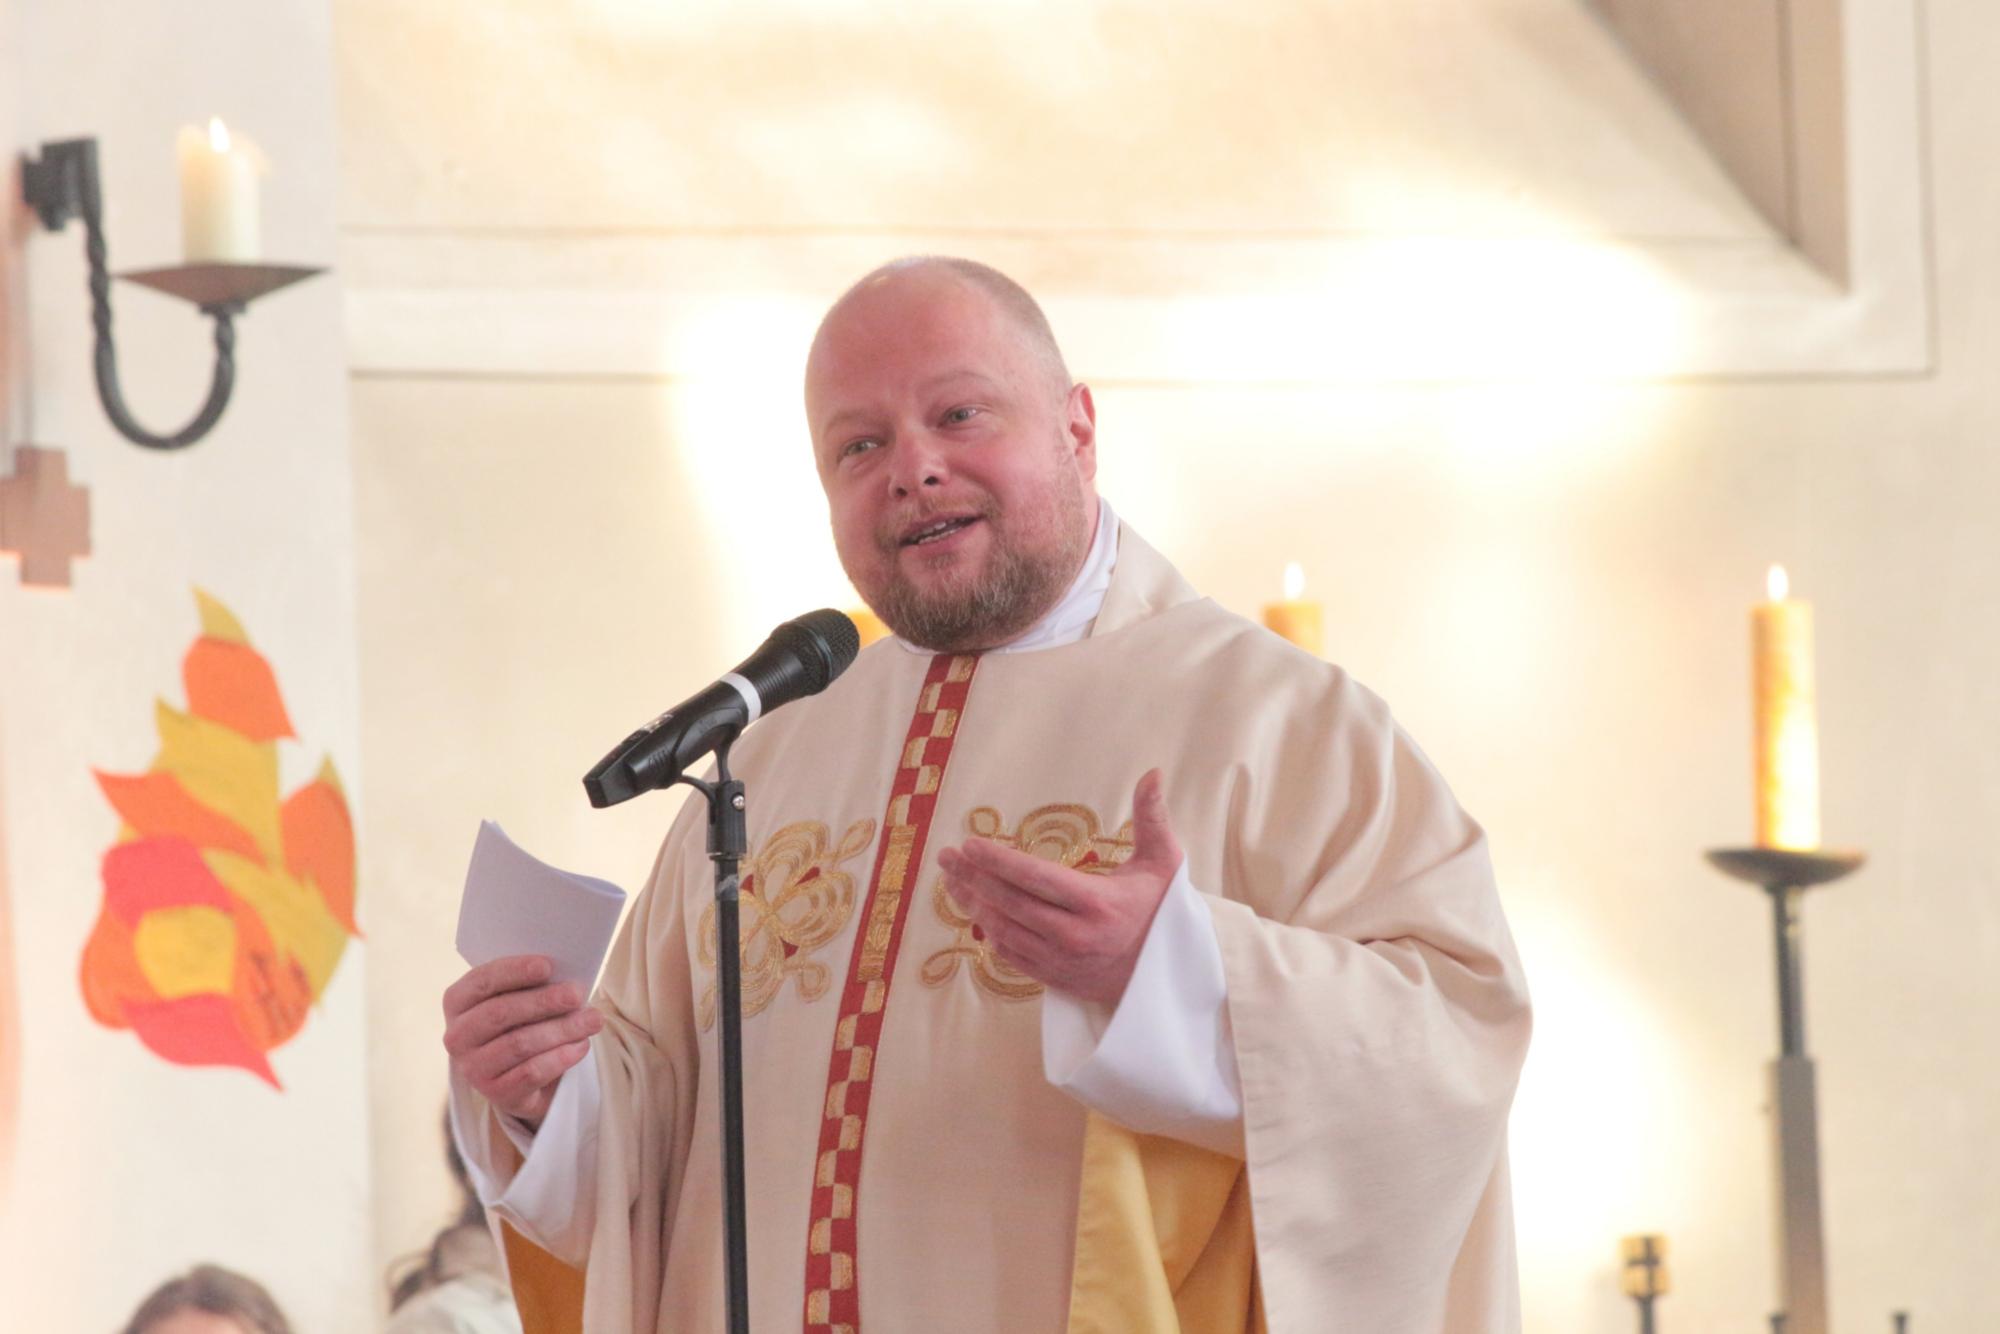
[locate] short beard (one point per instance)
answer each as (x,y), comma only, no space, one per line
(1019,588)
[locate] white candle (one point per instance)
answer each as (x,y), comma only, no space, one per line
(218,196)
(1787,729)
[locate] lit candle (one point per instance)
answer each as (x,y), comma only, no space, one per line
(1787,759)
(869,624)
(1295,618)
(218,196)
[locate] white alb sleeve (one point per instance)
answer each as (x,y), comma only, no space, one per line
(552,1197)
(1164,1061)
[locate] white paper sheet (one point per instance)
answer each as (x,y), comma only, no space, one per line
(515,903)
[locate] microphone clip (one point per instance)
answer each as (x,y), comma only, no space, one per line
(728,825)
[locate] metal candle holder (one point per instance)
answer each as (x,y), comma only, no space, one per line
(1645,1277)
(63,184)
(1786,875)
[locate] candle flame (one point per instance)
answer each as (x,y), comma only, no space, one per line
(1295,581)
(1777,585)
(218,134)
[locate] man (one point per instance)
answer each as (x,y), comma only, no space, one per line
(1013,1060)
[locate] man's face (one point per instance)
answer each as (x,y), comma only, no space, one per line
(957,468)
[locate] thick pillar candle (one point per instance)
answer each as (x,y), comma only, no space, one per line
(1787,730)
(218,196)
(1295,618)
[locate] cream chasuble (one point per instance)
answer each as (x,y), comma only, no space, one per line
(907,1163)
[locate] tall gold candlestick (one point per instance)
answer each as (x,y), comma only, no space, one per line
(1787,731)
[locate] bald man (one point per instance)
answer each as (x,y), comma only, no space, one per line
(1108,963)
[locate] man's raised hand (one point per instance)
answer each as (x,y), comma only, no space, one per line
(511,1035)
(1076,932)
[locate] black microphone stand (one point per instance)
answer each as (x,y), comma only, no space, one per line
(727,839)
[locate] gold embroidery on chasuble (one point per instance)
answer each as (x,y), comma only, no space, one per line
(1066,834)
(794,899)
(833,1281)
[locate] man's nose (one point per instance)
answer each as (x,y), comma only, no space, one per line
(920,462)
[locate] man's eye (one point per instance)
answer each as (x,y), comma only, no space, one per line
(958,416)
(853,447)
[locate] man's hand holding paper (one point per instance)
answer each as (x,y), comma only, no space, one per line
(535,936)
(512,1034)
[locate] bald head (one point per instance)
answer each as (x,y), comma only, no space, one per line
(908,278)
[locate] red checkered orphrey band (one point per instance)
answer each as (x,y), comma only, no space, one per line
(833,1284)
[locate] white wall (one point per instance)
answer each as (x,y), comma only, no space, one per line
(127,1168)
(579,312)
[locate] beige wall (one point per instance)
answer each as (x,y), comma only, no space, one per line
(578,313)
(12,378)
(126,1168)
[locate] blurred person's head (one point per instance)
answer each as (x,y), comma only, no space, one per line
(209,1299)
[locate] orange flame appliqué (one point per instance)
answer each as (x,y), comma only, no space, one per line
(226,910)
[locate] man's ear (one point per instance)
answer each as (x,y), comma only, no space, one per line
(1080,428)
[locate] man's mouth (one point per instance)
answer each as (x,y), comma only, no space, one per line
(936,530)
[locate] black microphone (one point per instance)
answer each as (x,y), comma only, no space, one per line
(800,658)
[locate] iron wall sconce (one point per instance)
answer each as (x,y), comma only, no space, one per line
(63,184)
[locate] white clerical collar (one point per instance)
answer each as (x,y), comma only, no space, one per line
(1070,619)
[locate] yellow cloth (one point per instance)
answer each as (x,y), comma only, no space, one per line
(1164,1241)
(548,1292)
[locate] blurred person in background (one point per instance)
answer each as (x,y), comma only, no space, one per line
(209,1299)
(457,1286)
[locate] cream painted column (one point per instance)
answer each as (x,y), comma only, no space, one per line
(127,1168)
